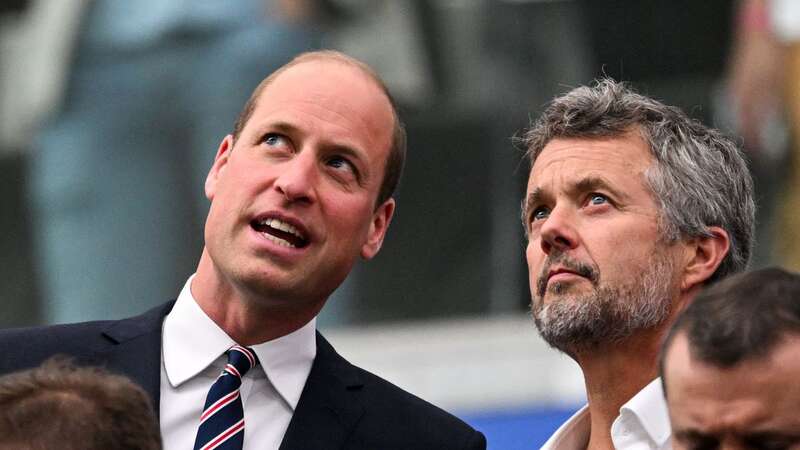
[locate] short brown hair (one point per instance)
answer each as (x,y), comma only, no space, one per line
(59,405)
(397,151)
(742,318)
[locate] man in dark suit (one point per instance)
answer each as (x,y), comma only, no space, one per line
(301,188)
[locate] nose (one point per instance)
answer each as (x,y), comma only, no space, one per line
(558,231)
(297,178)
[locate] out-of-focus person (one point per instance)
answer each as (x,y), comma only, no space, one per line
(115,169)
(763,88)
(631,208)
(61,406)
(730,366)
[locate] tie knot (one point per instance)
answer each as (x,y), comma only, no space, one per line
(240,360)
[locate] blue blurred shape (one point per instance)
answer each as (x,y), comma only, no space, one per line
(519,429)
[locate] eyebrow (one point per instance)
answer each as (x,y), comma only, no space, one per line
(595,183)
(696,436)
(537,196)
(587,184)
(767,436)
(363,166)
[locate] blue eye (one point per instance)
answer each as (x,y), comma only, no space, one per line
(540,213)
(273,140)
(337,162)
(598,199)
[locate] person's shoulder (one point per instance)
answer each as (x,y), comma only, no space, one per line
(26,347)
(416,422)
(394,418)
(23,348)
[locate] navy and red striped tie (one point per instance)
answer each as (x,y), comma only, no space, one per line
(222,421)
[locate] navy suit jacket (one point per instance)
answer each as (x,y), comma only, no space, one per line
(341,407)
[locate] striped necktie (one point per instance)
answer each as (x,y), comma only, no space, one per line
(222,421)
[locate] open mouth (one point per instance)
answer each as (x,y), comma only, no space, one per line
(280,232)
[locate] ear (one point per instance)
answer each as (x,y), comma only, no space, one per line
(218,167)
(705,254)
(377,229)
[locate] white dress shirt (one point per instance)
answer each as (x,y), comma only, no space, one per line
(193,355)
(642,424)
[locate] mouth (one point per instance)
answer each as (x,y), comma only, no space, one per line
(561,271)
(558,274)
(281,232)
(555,276)
(566,268)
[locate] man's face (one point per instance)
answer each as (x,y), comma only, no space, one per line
(293,199)
(598,271)
(752,405)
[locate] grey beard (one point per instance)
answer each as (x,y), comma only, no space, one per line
(608,314)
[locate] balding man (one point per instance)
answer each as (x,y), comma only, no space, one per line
(299,191)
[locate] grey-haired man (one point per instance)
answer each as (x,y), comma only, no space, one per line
(631,208)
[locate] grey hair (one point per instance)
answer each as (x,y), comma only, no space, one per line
(699,178)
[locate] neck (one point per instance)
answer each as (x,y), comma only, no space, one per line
(248,317)
(614,374)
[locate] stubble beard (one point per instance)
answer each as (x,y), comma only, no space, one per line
(575,323)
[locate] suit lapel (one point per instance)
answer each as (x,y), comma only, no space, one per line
(136,350)
(328,408)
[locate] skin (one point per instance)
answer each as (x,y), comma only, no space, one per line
(313,155)
(750,405)
(587,198)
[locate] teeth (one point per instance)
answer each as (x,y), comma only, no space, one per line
(278,240)
(283,226)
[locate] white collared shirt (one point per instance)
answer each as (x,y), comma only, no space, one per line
(193,355)
(642,424)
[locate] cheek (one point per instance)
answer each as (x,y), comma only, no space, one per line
(626,248)
(351,218)
(534,256)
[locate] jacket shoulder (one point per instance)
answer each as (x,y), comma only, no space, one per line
(394,418)
(416,422)
(22,348)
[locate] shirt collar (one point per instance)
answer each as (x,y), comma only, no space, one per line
(572,434)
(646,410)
(649,408)
(192,342)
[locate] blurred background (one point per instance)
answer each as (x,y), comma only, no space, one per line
(111,112)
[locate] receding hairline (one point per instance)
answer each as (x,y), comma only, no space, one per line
(317,56)
(395,160)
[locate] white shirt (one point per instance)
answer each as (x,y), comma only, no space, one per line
(642,424)
(193,355)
